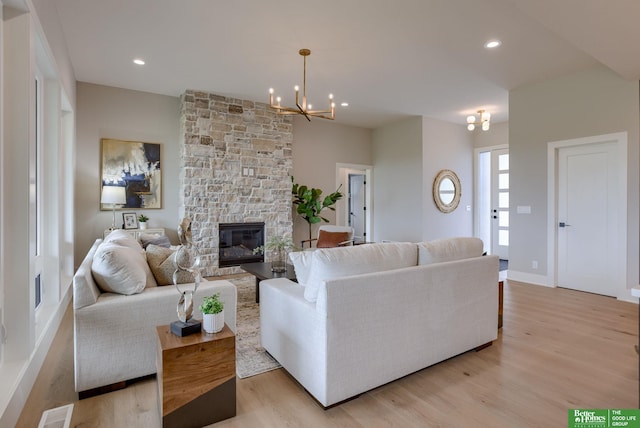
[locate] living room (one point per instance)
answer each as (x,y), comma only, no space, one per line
(405,153)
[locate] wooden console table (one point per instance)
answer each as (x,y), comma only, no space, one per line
(196,377)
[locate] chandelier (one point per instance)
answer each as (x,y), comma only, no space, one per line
(301,106)
(485,118)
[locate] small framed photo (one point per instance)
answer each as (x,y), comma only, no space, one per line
(130,220)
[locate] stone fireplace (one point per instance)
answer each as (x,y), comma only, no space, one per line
(235,167)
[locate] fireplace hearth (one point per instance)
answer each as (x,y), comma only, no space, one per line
(237,242)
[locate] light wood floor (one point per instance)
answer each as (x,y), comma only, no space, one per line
(559,349)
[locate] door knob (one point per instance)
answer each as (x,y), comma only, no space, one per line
(563,224)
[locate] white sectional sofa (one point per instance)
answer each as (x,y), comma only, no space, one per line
(115,334)
(366,315)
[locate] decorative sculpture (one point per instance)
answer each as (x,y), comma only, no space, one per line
(186,258)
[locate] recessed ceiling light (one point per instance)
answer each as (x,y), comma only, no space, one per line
(138,61)
(492,44)
(345,104)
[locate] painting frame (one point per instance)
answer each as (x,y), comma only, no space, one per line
(129,221)
(136,166)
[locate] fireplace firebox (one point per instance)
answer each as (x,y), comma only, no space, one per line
(237,242)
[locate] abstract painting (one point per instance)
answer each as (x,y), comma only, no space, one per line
(135,166)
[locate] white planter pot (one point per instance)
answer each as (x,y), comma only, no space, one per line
(213,323)
(143,225)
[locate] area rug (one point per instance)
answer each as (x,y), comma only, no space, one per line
(251,358)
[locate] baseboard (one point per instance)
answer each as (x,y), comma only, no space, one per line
(23,374)
(530,278)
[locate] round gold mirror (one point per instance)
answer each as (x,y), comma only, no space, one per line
(446,191)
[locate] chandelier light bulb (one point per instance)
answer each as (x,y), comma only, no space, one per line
(309,106)
(471,127)
(271,91)
(296,88)
(471,119)
(486,116)
(485,126)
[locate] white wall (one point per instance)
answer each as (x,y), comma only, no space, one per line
(447,146)
(317,147)
(398,181)
(107,112)
(498,134)
(593,102)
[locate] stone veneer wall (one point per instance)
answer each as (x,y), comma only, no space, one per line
(219,138)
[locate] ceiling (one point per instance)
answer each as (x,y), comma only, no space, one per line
(387,59)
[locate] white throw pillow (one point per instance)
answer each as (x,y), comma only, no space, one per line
(449,249)
(122,238)
(119,269)
(329,263)
(302,265)
(146,239)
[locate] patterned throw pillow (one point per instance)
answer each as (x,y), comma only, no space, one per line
(160,261)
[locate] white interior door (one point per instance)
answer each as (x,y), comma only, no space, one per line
(588,191)
(500,203)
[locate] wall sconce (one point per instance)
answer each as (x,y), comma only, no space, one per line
(485,119)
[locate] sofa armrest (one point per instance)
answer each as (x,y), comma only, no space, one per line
(85,290)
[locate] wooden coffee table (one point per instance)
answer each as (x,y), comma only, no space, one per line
(263,271)
(196,377)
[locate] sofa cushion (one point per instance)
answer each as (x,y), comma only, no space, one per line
(119,269)
(332,263)
(331,239)
(302,265)
(449,249)
(160,240)
(161,263)
(122,238)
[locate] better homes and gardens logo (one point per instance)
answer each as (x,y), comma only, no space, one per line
(604,418)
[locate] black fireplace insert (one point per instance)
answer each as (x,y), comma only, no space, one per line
(237,242)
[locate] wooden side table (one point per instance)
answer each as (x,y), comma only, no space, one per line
(196,377)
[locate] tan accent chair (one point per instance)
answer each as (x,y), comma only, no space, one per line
(330,236)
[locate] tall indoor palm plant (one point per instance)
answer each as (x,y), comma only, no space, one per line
(309,203)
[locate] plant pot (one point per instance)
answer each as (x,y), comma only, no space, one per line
(143,225)
(278,263)
(278,266)
(213,323)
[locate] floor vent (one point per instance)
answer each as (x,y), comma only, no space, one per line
(60,417)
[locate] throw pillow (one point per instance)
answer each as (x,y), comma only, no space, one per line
(118,269)
(160,240)
(331,239)
(122,238)
(160,261)
(449,249)
(302,265)
(330,263)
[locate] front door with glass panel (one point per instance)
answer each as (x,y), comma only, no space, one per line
(500,203)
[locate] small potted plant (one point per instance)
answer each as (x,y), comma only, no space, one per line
(212,313)
(142,220)
(278,245)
